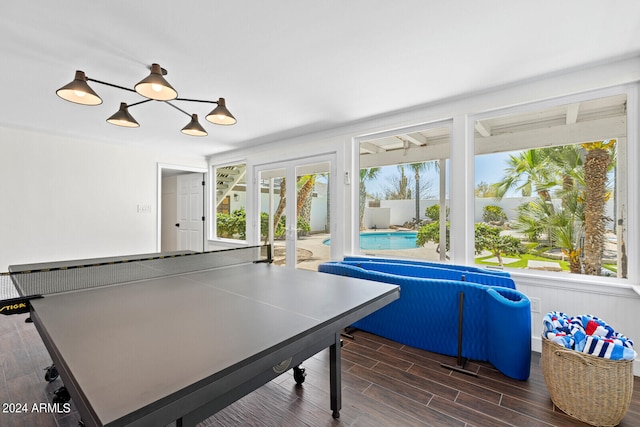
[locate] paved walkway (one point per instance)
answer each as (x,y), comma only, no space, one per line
(322,253)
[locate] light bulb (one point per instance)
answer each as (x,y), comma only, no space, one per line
(79,93)
(156,87)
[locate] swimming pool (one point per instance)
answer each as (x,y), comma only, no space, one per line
(392,240)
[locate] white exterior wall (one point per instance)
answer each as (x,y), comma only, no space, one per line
(404,210)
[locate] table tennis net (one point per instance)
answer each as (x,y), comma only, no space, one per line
(73,277)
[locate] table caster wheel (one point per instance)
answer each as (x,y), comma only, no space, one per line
(299,374)
(61,395)
(51,373)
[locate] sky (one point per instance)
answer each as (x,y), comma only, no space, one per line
(489,168)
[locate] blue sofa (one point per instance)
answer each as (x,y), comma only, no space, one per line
(496,317)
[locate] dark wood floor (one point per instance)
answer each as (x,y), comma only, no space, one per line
(384,384)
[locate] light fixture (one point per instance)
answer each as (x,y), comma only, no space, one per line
(153,87)
(79,91)
(194,128)
(123,118)
(220,115)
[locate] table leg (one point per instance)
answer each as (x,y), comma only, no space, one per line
(335,376)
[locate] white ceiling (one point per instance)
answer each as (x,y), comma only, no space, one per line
(285,67)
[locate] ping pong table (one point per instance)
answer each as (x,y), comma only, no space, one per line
(180,343)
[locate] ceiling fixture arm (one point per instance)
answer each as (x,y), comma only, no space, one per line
(89,79)
(196,100)
(153,87)
(139,102)
(177,108)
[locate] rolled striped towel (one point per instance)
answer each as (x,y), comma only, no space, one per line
(608,348)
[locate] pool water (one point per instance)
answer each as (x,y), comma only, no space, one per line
(392,240)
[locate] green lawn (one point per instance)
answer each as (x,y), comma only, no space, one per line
(524,259)
(522,262)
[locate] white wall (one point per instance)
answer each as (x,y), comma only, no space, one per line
(66,199)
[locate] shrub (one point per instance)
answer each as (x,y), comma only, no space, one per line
(433,212)
(431,233)
(264,226)
(489,238)
(228,225)
(303,225)
(493,213)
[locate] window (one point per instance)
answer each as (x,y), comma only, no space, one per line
(404,205)
(229,201)
(550,189)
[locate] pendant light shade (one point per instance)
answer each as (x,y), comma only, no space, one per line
(194,128)
(123,118)
(220,115)
(79,92)
(154,86)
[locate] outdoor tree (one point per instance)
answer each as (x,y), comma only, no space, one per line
(417,168)
(366,175)
(431,233)
(566,231)
(305,186)
(493,213)
(490,238)
(487,237)
(281,203)
(596,166)
(483,190)
(433,212)
(528,172)
(420,187)
(532,219)
(398,186)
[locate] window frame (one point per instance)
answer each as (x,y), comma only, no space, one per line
(213,224)
(411,128)
(631,158)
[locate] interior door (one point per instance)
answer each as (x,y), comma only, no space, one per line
(295,210)
(190,225)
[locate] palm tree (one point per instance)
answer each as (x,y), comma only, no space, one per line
(567,229)
(305,185)
(417,169)
(596,166)
(281,203)
(527,172)
(568,164)
(368,174)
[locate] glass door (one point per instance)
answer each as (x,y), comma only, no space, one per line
(296,211)
(272,189)
(313,215)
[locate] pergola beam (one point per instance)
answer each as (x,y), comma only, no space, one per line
(572,113)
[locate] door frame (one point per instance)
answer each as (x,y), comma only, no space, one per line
(290,167)
(163,170)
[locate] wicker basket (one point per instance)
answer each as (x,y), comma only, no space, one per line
(592,389)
